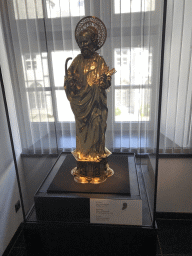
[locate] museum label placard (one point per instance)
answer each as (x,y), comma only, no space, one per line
(112,211)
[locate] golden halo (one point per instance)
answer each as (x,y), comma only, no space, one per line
(96,23)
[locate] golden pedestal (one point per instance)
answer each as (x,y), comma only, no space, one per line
(93,171)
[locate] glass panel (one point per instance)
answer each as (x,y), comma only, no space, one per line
(133,65)
(35,169)
(64,111)
(126,6)
(58,62)
(132,104)
(32,9)
(133,80)
(40,104)
(28,9)
(35,67)
(67,8)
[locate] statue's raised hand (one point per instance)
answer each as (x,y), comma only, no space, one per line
(105,81)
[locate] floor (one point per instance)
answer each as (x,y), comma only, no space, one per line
(174,239)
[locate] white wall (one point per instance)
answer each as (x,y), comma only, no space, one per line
(9,219)
(177,80)
(175,185)
(9,193)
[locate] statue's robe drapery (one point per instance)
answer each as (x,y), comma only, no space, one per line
(89,104)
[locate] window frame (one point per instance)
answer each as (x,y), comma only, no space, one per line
(111,94)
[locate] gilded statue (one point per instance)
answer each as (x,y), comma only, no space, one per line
(86,81)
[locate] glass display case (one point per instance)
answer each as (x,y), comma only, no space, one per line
(62,216)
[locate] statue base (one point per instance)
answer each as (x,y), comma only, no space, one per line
(92,172)
(118,184)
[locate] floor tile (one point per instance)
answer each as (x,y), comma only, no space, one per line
(174,239)
(18,252)
(175,236)
(20,242)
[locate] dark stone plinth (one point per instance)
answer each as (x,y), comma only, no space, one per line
(60,198)
(116,184)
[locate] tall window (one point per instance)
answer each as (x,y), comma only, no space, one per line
(124,6)
(43,35)
(134,67)
(29,9)
(59,8)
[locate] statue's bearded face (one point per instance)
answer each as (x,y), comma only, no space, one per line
(86,45)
